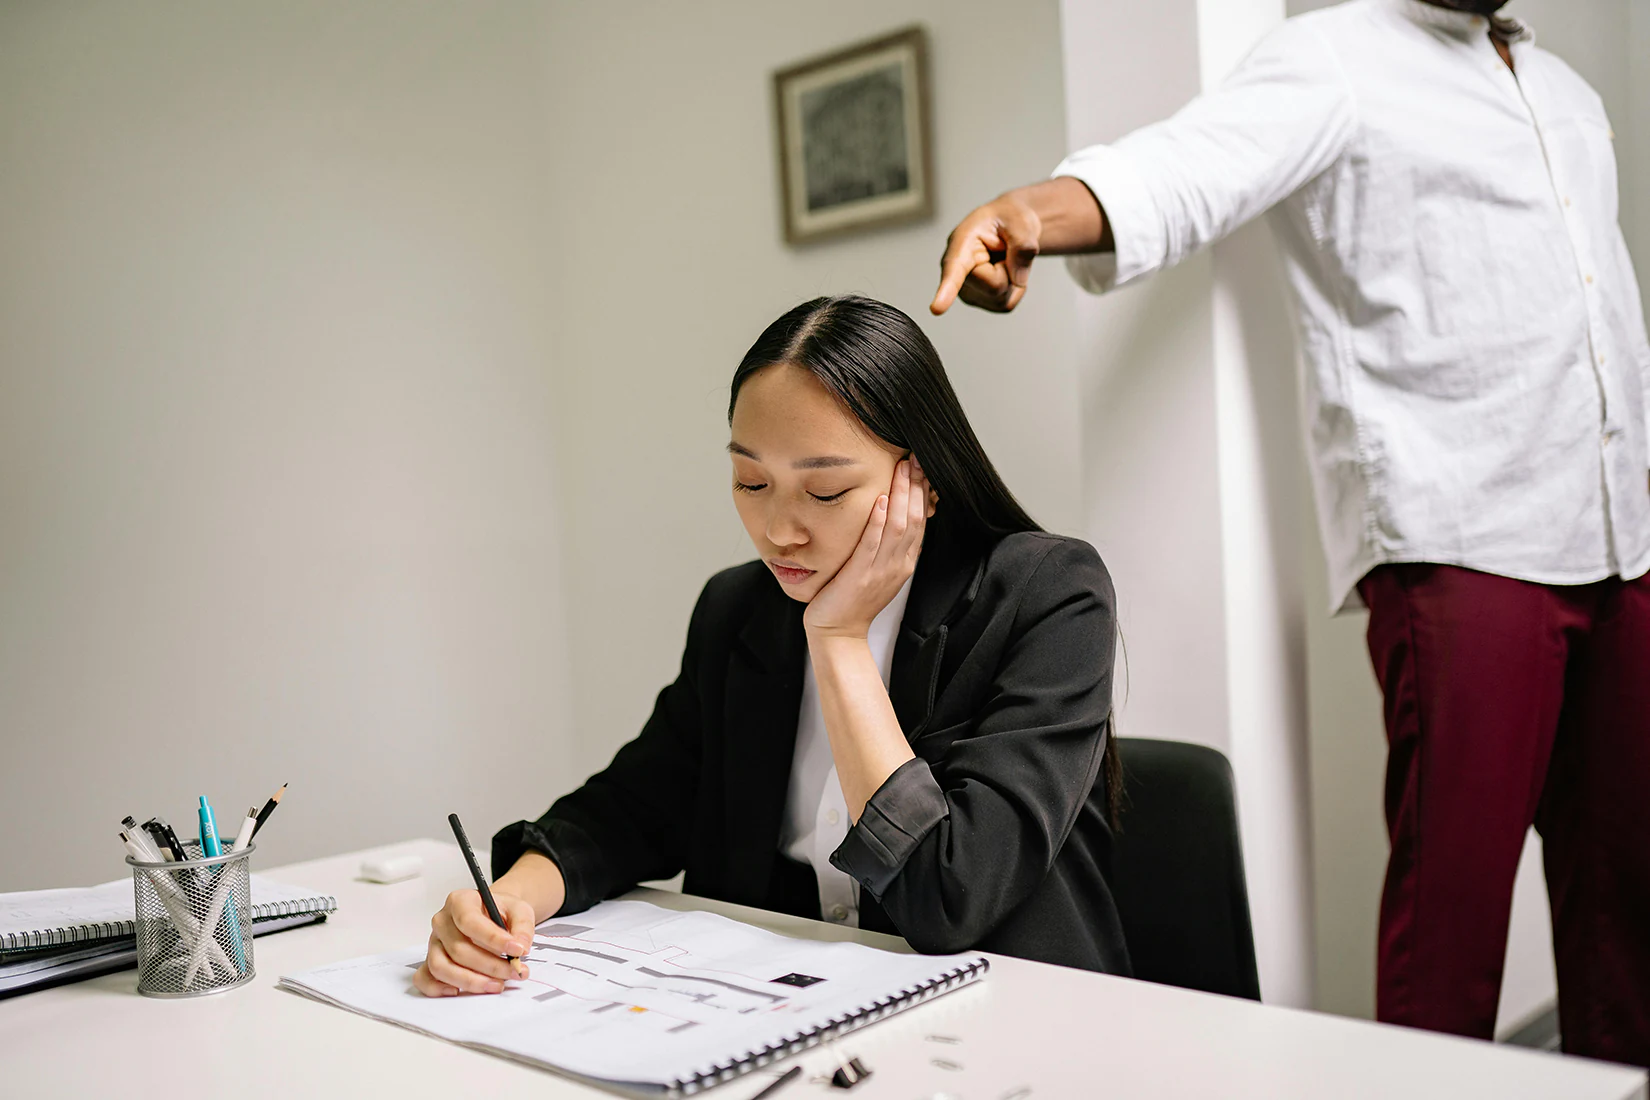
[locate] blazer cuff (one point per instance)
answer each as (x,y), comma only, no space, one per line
(904,810)
(567,845)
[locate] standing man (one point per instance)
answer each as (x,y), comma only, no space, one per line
(1444,194)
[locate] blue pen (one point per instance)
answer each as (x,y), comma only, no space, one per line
(209,848)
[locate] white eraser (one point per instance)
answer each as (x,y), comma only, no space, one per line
(392,868)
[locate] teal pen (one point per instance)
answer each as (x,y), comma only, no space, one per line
(211,847)
(209,831)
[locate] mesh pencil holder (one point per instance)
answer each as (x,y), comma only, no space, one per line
(194,923)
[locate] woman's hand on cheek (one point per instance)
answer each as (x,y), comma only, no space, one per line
(882,562)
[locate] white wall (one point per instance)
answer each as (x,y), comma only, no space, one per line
(277,486)
(670,261)
(1149,448)
(1191,466)
(322,360)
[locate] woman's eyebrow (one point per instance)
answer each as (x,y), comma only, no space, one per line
(820,462)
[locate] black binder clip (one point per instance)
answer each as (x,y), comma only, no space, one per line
(849,1074)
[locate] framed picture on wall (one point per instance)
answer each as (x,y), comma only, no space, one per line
(854,148)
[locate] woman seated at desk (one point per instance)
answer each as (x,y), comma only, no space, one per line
(898,717)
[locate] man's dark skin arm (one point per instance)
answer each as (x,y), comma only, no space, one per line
(987,259)
(988,256)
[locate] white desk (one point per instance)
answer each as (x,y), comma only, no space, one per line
(1064,1033)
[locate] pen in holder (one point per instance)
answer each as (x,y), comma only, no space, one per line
(194,923)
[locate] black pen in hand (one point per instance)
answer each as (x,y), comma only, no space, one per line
(481,881)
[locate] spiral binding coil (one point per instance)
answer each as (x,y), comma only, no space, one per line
(877,1010)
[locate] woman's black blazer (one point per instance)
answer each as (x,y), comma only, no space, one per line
(994,837)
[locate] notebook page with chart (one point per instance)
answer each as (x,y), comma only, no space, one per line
(639,997)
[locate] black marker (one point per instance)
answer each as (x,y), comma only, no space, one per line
(165,837)
(152,827)
(475,870)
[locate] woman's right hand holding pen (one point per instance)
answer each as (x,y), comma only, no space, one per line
(467,950)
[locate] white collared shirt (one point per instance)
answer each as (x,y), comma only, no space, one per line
(1476,366)
(816,814)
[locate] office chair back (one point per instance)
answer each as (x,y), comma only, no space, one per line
(1177,870)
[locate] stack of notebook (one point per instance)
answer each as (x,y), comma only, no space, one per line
(48,937)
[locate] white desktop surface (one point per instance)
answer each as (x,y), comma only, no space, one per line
(1063,1033)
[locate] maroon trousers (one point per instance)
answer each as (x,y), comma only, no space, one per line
(1510,703)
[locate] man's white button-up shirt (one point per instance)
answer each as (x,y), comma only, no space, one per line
(1477,371)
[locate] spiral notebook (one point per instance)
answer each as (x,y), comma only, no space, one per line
(56,918)
(648,1000)
(41,968)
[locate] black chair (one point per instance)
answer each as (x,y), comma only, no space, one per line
(1177,870)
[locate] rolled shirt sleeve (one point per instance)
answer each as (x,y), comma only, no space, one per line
(1281,118)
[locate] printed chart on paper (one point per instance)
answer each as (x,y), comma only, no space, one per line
(631,992)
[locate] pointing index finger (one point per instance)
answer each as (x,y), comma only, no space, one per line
(953,274)
(966,250)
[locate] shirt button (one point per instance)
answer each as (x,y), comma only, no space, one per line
(1589,280)
(839,912)
(1566,200)
(832,817)
(1601,360)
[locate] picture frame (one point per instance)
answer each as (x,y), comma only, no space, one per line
(855,138)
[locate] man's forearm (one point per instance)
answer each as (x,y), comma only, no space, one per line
(1071,217)
(988,256)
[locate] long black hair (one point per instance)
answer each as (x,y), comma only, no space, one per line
(883,369)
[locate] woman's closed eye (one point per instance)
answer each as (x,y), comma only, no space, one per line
(745,487)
